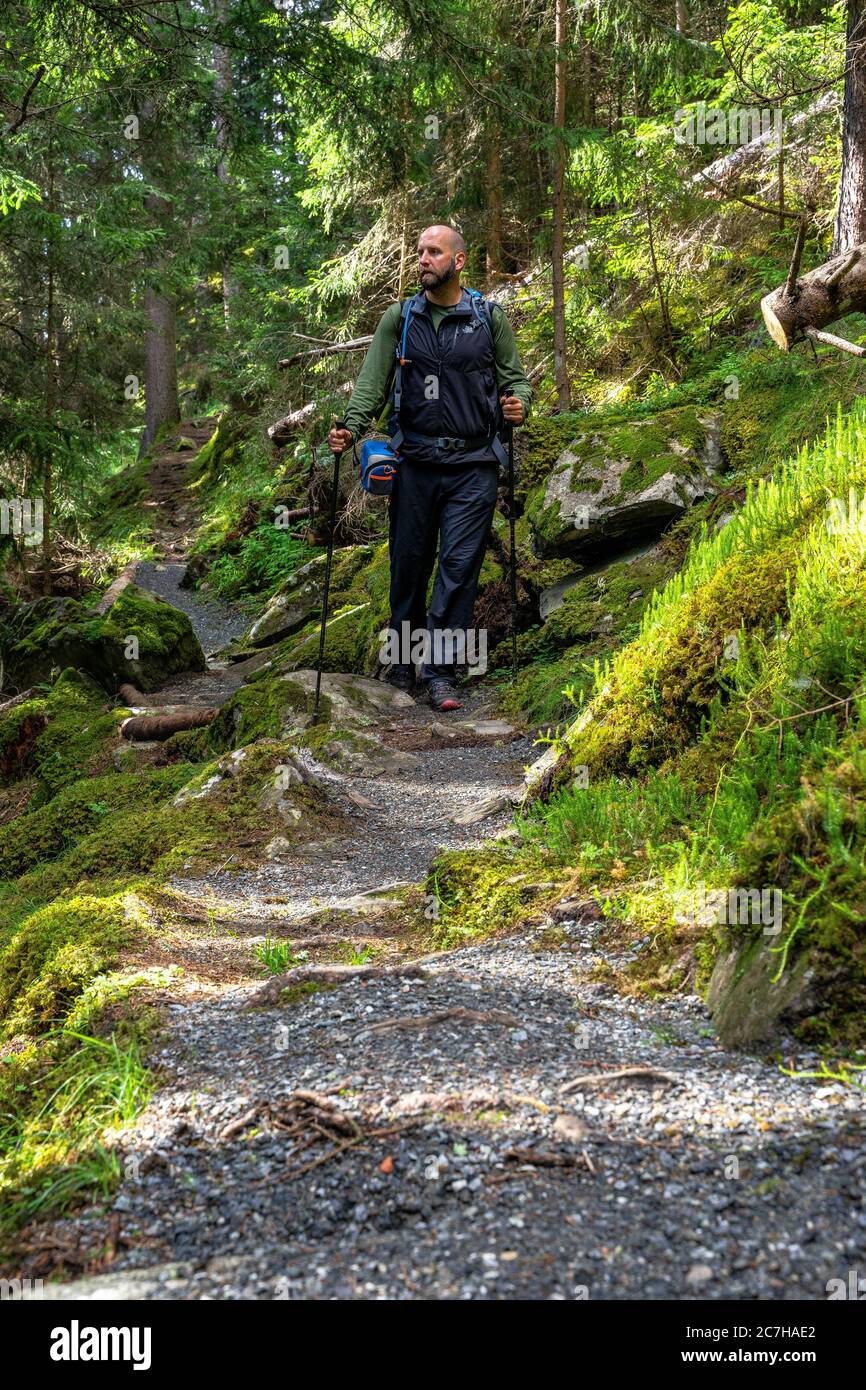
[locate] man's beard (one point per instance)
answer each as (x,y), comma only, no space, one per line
(432,280)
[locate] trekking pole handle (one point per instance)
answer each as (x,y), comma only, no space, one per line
(508,393)
(341,425)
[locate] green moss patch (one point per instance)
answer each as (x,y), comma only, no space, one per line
(492,888)
(141,639)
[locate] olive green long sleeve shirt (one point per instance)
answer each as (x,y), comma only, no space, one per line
(376,376)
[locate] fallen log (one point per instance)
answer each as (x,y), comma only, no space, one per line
(804,305)
(114,590)
(728,166)
(282,430)
(17,700)
(141,728)
(128,695)
(329,975)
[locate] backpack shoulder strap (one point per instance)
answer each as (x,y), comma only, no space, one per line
(482,308)
(400,350)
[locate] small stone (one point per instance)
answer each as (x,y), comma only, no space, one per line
(570,1128)
(698,1275)
(443,731)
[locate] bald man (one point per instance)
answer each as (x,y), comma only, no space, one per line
(445,421)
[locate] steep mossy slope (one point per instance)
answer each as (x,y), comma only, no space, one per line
(722,750)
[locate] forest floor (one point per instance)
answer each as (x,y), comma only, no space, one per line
(422,1136)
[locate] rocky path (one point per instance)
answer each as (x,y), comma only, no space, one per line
(418,1139)
(478,1130)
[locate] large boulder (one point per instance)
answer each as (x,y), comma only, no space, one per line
(54,634)
(747,1003)
(277,702)
(624,482)
(299,597)
(344,643)
(352,702)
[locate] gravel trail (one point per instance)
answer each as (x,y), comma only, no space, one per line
(473,1174)
(417,1138)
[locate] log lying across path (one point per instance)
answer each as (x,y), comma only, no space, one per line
(804,305)
(141,728)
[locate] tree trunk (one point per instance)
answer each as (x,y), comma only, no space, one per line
(162,406)
(823,295)
(50,390)
(850,228)
(160,362)
(493,253)
(560,365)
(657,279)
(222,61)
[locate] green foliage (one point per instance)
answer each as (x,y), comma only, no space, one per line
(276,956)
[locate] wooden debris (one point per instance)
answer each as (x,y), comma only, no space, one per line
(131,696)
(829,292)
(351,345)
(144,727)
(17,699)
(540,1159)
(116,588)
(601,1078)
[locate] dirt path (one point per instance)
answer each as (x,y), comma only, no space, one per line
(421,1137)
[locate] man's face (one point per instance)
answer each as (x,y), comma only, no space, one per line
(437,263)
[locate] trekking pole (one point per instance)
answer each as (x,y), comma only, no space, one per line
(513,542)
(339,425)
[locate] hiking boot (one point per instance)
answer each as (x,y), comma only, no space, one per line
(402,678)
(443,694)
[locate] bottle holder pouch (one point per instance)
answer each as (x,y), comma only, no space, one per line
(378,467)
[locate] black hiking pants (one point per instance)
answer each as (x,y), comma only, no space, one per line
(453,506)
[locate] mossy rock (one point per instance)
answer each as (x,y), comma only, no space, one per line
(343,645)
(353,752)
(489,888)
(747,1003)
(166,640)
(76,729)
(624,480)
(77,636)
(299,597)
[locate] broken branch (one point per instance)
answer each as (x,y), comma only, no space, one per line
(600,1078)
(352,345)
(825,294)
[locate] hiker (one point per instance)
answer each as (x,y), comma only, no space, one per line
(448,407)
